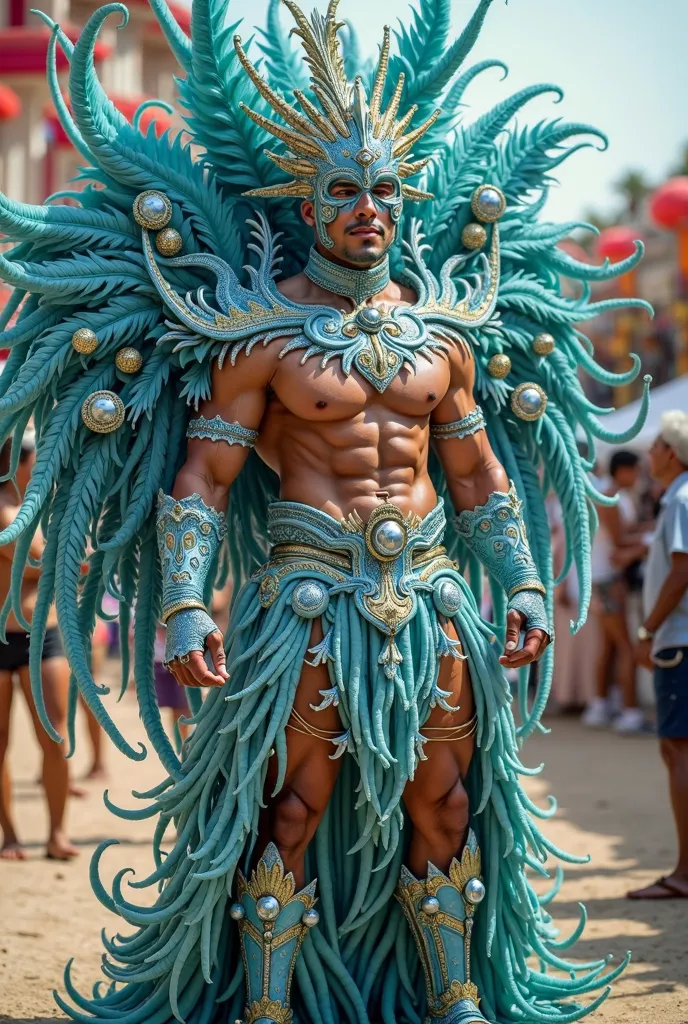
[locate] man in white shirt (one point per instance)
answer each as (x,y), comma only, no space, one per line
(663,637)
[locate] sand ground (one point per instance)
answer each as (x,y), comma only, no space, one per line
(613,805)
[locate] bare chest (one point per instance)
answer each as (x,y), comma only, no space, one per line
(310,391)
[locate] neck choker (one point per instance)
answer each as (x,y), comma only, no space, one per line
(358,285)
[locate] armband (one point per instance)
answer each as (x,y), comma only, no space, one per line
(496,534)
(470,424)
(189,535)
(218,429)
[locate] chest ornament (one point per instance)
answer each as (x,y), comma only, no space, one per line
(374,341)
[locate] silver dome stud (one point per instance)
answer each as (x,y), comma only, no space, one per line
(309,599)
(430,905)
(152,210)
(310,918)
(237,912)
(388,538)
(488,203)
(267,908)
(528,401)
(103,412)
(447,597)
(474,891)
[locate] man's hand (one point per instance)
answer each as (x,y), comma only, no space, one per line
(191,670)
(534,645)
(642,652)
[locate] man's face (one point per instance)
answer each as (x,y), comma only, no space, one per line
(361,234)
(660,458)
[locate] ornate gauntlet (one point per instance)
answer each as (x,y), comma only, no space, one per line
(496,534)
(189,535)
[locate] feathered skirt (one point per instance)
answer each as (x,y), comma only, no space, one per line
(383,593)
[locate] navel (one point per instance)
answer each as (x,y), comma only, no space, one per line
(321,405)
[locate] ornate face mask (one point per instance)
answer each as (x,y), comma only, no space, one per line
(346,137)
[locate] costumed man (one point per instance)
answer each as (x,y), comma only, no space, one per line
(351,837)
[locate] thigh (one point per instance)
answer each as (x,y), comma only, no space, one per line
(55,676)
(311,773)
(447,760)
(6,691)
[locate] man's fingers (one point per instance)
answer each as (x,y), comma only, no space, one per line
(200,671)
(514,621)
(215,645)
(534,644)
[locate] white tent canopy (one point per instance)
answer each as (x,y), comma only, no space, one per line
(673,395)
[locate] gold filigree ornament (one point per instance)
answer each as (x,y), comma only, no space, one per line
(456,992)
(268,1009)
(272,881)
(129,360)
(84,341)
(461,871)
(103,412)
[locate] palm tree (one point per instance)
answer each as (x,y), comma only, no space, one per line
(634,187)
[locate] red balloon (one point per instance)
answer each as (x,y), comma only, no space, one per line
(617,243)
(669,204)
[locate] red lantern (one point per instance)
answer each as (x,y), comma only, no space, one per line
(669,204)
(616,244)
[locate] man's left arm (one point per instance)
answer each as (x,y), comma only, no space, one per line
(475,477)
(676,583)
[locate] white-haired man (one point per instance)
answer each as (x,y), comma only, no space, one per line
(663,637)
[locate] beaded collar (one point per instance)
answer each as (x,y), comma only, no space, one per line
(358,285)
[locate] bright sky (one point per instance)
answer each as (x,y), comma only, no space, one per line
(623,65)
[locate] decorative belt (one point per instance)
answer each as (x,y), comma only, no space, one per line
(382,563)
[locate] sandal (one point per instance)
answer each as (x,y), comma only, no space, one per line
(671,891)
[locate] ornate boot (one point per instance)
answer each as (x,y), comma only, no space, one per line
(440,912)
(273,922)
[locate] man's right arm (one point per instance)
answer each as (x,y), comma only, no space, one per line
(212,465)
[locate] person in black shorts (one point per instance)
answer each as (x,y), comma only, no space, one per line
(14,666)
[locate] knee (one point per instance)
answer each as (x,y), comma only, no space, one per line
(290,824)
(453,812)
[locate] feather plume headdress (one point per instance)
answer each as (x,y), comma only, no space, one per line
(346,135)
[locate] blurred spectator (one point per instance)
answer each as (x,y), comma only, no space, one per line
(663,637)
(14,663)
(168,692)
(615,547)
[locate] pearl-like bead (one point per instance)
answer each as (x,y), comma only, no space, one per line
(430,905)
(85,341)
(267,908)
(310,918)
(129,360)
(237,912)
(474,891)
(543,344)
(474,236)
(499,365)
(168,242)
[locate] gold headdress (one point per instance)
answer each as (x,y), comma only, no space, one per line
(346,135)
